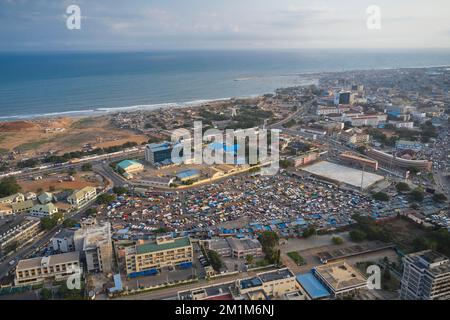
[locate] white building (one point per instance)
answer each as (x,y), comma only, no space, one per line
(94,243)
(57,267)
(63,241)
(426,276)
(82,197)
(43,210)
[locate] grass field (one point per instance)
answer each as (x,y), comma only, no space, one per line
(297,258)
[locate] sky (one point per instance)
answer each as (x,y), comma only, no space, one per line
(133,25)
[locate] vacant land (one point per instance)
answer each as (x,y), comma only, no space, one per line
(61,135)
(60,182)
(403,233)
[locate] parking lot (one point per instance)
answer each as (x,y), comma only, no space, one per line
(245,205)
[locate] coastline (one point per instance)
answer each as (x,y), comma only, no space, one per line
(77,114)
(102,111)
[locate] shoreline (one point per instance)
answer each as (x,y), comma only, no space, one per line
(102,111)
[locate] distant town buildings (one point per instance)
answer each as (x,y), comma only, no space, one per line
(354,136)
(306,158)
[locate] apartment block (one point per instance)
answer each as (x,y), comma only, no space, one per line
(240,248)
(165,251)
(63,241)
(236,248)
(426,276)
(340,278)
(43,210)
(17,197)
(19,233)
(95,245)
(82,197)
(57,267)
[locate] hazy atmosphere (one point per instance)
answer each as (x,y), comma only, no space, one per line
(212,24)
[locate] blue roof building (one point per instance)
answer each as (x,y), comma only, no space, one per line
(313,287)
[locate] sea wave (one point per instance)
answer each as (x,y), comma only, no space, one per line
(49,114)
(100,111)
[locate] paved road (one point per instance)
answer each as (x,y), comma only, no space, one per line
(301,110)
(106,171)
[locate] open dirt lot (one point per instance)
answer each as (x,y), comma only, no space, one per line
(81,180)
(62,135)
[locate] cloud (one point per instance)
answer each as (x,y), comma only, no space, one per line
(224,24)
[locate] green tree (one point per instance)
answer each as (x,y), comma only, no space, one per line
(72,172)
(9,186)
(381,196)
(417,195)
(249,259)
(91,211)
(402,187)
(387,274)
(357,235)
(269,240)
(105,198)
(69,223)
(337,240)
(215,260)
(48,223)
(120,190)
(309,232)
(286,164)
(58,216)
(69,294)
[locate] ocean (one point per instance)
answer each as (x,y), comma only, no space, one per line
(47,84)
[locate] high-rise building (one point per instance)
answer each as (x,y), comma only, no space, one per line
(94,243)
(426,276)
(344,97)
(158,153)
